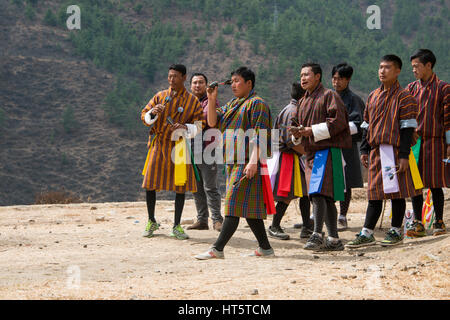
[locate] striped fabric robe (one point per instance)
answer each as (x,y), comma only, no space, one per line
(285,146)
(159,174)
(384,111)
(243,199)
(324,105)
(433,119)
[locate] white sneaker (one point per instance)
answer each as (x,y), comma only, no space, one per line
(212,253)
(259,252)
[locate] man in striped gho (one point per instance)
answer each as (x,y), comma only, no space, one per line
(433,120)
(389,124)
(159,173)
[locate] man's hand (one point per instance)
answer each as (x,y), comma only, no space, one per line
(365,160)
(178,126)
(212,93)
(403,165)
(157,109)
(300,132)
(250,170)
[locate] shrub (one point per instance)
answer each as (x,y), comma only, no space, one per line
(56,197)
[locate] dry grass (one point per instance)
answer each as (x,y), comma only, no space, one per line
(56,197)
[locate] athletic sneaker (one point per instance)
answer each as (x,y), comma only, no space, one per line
(259,252)
(178,233)
(392,239)
(315,242)
(150,229)
(306,233)
(212,253)
(439,228)
(361,241)
(333,246)
(416,229)
(277,233)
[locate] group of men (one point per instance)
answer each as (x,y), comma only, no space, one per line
(318,159)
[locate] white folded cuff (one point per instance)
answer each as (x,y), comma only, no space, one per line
(320,131)
(353,128)
(409,123)
(295,141)
(365,125)
(149,118)
(192,130)
(447,136)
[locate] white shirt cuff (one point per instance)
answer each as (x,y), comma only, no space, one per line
(320,131)
(353,128)
(148,118)
(296,141)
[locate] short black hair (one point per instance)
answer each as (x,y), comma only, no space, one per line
(393,58)
(315,67)
(199,74)
(178,67)
(297,91)
(245,73)
(343,70)
(424,56)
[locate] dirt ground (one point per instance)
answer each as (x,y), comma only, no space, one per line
(95,251)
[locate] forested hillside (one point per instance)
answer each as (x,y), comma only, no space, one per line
(125,47)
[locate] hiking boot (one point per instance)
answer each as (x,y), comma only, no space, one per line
(217,226)
(439,228)
(259,252)
(178,233)
(212,253)
(306,233)
(150,229)
(361,241)
(315,242)
(342,223)
(199,225)
(416,229)
(277,233)
(333,246)
(392,238)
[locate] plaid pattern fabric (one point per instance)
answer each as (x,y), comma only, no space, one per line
(244,199)
(433,119)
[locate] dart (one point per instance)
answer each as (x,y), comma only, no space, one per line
(216,84)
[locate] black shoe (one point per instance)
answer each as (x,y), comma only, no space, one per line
(342,223)
(315,242)
(306,233)
(278,233)
(333,246)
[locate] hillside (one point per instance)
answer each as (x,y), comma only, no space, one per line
(70,100)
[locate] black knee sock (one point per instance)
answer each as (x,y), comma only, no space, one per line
(417,203)
(319,208)
(373,213)
(229,227)
(398,212)
(331,219)
(438,203)
(151,202)
(344,205)
(305,207)
(258,229)
(179,205)
(281,209)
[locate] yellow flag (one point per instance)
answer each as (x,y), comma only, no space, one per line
(148,157)
(298,192)
(180,163)
(418,184)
